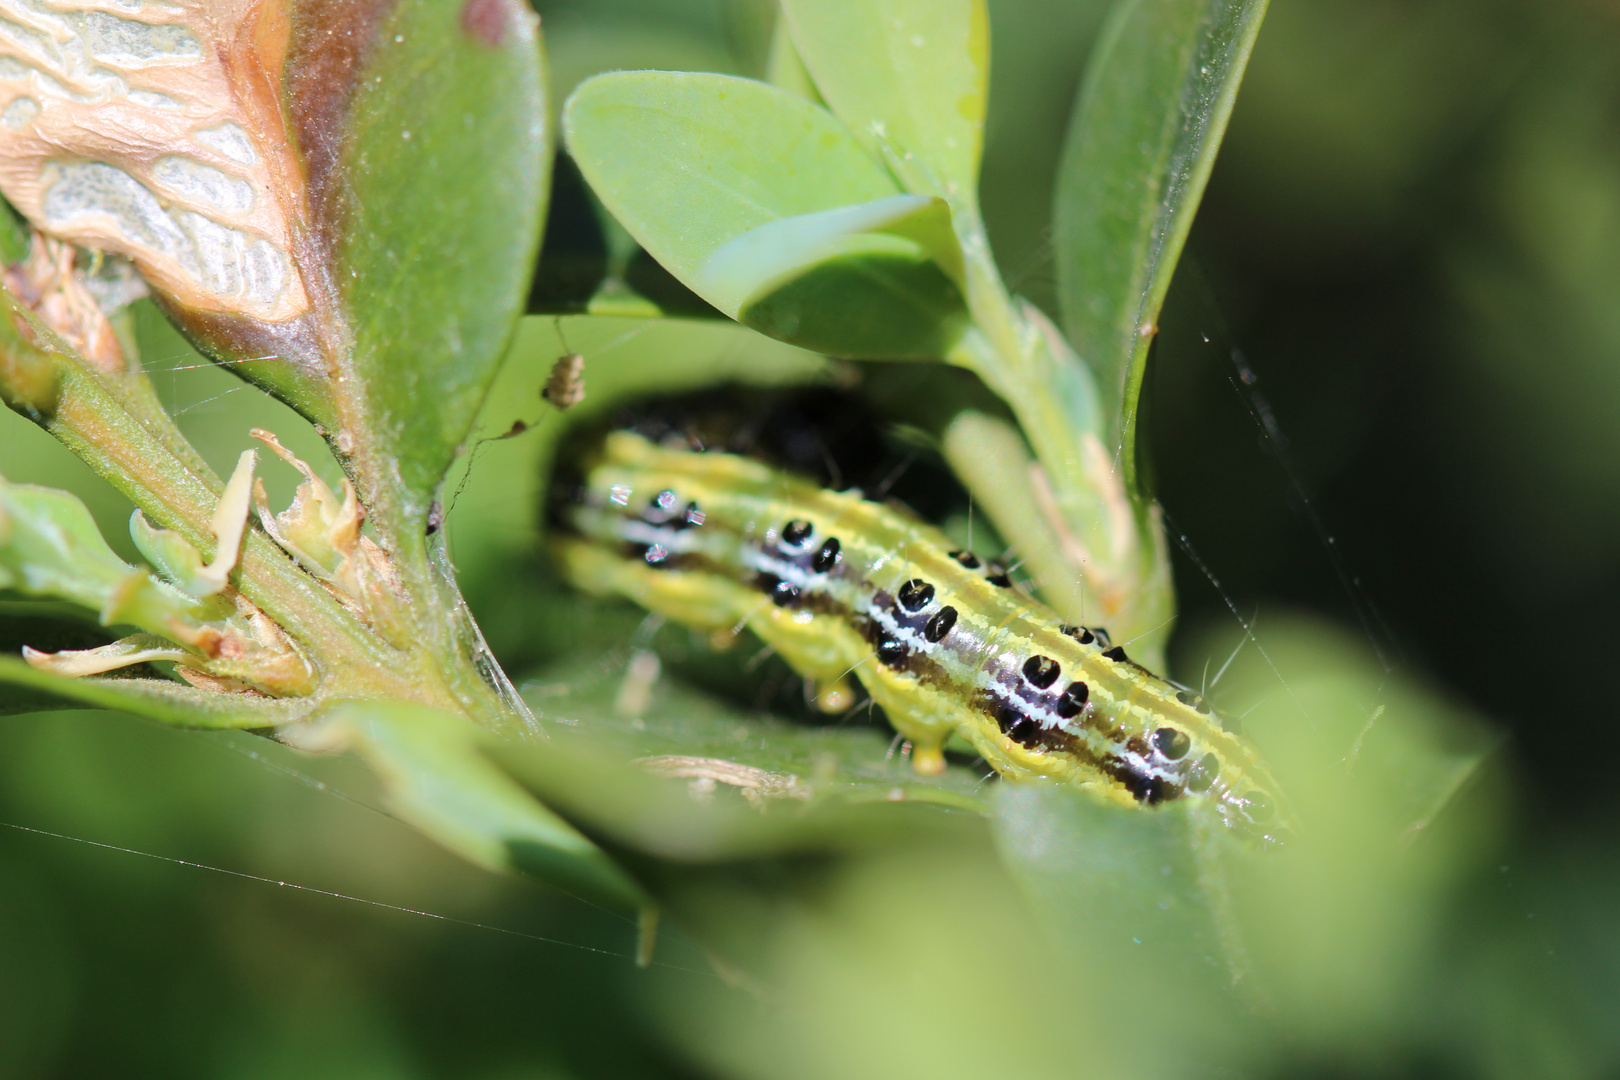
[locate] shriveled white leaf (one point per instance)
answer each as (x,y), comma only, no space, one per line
(154,130)
(125,652)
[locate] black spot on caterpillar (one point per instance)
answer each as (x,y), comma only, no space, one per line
(840,584)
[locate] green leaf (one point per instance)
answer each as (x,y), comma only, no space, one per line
(1136,894)
(14,237)
(784,66)
(908,77)
(699,779)
(1350,742)
(30,361)
(893,306)
(765,205)
(1385,779)
(750,267)
(590,265)
(172,703)
(1150,116)
(1095,871)
(446,162)
(439,780)
(50,547)
(1368,762)
(889,270)
(689,161)
(857,762)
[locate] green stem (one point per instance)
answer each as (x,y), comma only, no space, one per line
(113,424)
(1053,399)
(1049,394)
(443,627)
(92,423)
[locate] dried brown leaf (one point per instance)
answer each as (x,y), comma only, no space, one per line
(155,130)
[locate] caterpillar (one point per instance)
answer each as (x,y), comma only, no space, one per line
(841,584)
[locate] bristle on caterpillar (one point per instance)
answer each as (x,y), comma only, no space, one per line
(840,585)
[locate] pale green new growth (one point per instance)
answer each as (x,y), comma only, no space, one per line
(50,547)
(230,518)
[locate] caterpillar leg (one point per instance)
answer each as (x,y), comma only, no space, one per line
(927,744)
(834,696)
(925,728)
(928,756)
(706,601)
(820,650)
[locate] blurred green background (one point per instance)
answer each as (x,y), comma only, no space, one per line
(1411,244)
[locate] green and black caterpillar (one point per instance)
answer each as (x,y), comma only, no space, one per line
(840,584)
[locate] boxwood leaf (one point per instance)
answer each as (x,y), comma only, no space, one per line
(439,780)
(700,779)
(766,206)
(51,547)
(909,79)
(1149,117)
(444,161)
(1386,779)
(176,704)
(761,260)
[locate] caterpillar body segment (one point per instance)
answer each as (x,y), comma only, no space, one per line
(844,586)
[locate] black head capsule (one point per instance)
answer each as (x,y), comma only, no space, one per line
(940,624)
(795,533)
(827,557)
(916,594)
(1041,671)
(967,559)
(1072,700)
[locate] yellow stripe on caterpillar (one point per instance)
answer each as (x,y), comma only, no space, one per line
(841,585)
